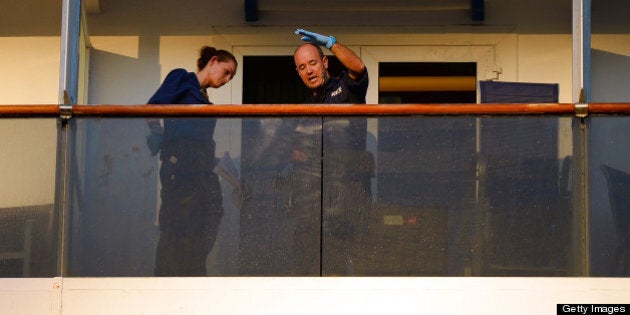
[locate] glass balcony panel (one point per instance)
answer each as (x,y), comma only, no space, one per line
(200,207)
(609,196)
(281,217)
(530,220)
(450,196)
(311,196)
(28,220)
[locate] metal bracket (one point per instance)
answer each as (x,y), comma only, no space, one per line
(581,110)
(65,111)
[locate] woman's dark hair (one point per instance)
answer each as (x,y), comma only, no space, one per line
(208,52)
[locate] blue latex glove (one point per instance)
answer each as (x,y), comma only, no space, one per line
(316,39)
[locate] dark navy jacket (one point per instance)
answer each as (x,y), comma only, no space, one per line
(189,140)
(182,87)
(342,90)
(344,133)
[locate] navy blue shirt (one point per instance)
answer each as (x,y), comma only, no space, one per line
(344,133)
(342,90)
(182,87)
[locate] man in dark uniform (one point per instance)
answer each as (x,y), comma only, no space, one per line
(345,165)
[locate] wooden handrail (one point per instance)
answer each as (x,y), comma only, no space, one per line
(324,109)
(609,108)
(29,110)
(247,110)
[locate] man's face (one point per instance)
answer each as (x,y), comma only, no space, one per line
(311,66)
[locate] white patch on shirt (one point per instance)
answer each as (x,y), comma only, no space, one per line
(336,92)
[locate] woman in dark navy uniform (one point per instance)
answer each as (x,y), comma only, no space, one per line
(191,208)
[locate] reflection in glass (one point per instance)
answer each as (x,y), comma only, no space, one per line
(410,196)
(28,221)
(191,200)
(280,220)
(609,196)
(619,195)
(528,195)
(425,170)
(347,173)
(116,219)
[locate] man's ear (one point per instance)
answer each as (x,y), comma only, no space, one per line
(325,61)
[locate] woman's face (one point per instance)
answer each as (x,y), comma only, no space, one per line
(220,72)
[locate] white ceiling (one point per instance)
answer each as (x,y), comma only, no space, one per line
(198,17)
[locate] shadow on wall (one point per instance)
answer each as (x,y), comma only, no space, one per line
(610,74)
(115,218)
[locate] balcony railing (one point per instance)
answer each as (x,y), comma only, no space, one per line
(316,190)
(308,110)
(246,110)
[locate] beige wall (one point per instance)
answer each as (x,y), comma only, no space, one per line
(29,74)
(129,69)
(524,58)
(611,67)
(27,161)
(503,56)
(155,56)
(29,70)
(546,59)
